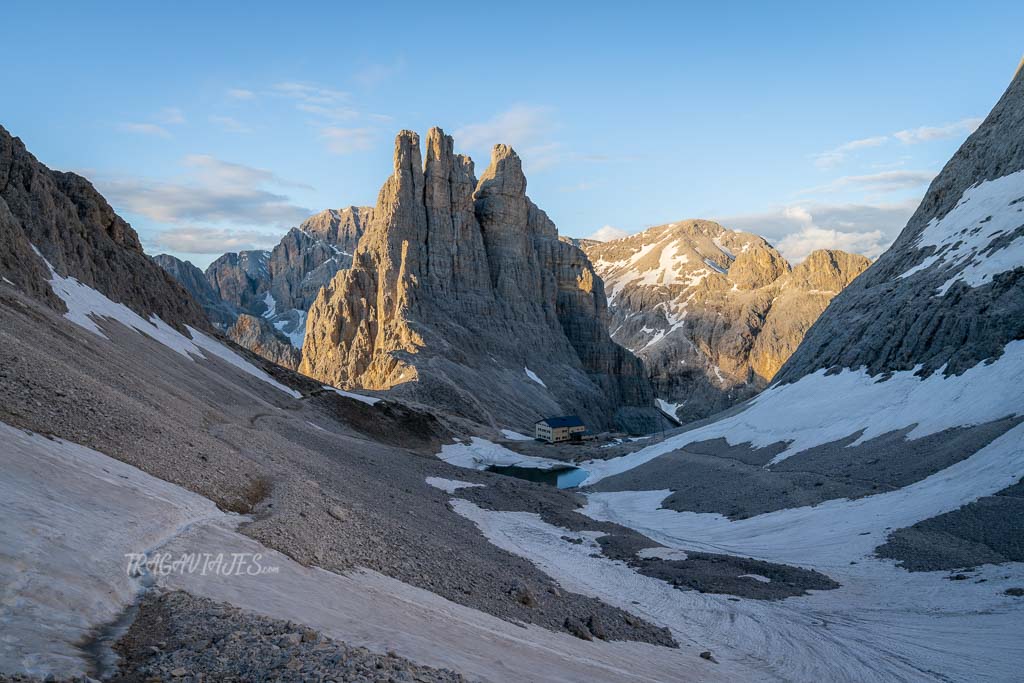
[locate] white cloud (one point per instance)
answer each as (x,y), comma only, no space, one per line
(838,155)
(230,124)
(929,133)
(240,94)
(310,93)
(608,233)
(199,240)
(374,74)
(219,173)
(214,191)
(145,129)
(348,140)
(332,113)
(796,246)
(520,126)
(834,157)
(798,229)
(884,181)
(170,116)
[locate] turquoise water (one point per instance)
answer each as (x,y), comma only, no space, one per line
(562,477)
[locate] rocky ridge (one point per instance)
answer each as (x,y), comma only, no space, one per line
(461,294)
(713,313)
(60,217)
(221,313)
(278,285)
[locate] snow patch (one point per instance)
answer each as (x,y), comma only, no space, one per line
(714,266)
(828,535)
(964,236)
(659,553)
(368,400)
(882,624)
(297,334)
(532,375)
(70,514)
(85,305)
(450,485)
(669,409)
(271,305)
(479,454)
(819,409)
(515,436)
(755,577)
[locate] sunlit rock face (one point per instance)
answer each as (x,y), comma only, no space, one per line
(713,313)
(457,287)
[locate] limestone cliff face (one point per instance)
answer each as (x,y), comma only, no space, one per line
(299,266)
(279,285)
(459,286)
(713,313)
(260,337)
(241,279)
(77,232)
(221,313)
(341,228)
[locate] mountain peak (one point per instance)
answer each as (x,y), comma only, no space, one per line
(448,259)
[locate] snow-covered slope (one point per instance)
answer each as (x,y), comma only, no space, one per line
(713,313)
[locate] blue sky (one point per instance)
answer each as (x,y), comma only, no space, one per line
(215,128)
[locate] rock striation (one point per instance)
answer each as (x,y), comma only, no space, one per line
(461,294)
(62,218)
(713,313)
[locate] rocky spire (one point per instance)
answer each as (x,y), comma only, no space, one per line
(461,285)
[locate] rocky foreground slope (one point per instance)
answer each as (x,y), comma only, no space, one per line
(461,294)
(713,313)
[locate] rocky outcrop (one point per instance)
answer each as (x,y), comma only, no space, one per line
(281,284)
(260,337)
(242,279)
(949,293)
(341,228)
(74,228)
(220,312)
(713,313)
(461,294)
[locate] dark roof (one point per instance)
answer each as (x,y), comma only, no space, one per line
(565,421)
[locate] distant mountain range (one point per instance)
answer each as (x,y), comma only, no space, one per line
(713,313)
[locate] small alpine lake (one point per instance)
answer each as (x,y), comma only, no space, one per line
(562,477)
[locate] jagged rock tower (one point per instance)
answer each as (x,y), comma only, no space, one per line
(461,295)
